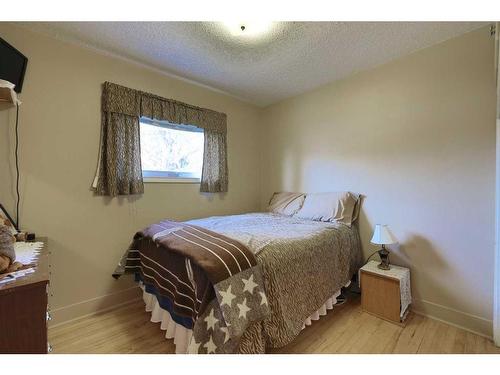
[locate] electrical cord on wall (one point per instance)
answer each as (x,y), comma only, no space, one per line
(367,260)
(354,286)
(17,167)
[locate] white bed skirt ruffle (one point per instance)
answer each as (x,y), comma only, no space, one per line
(322,310)
(182,335)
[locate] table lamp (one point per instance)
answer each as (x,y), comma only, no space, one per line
(383,236)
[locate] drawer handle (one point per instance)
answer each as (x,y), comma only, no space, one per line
(49,348)
(49,317)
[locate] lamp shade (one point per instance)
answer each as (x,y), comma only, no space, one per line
(382,235)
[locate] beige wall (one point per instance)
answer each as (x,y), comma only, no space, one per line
(417,137)
(60,124)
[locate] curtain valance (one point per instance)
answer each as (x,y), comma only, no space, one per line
(119,169)
(158,108)
(120,99)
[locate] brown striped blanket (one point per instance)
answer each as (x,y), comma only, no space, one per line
(208,282)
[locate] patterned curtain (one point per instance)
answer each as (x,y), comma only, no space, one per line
(214,171)
(119,169)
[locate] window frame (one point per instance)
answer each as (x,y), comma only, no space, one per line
(149,176)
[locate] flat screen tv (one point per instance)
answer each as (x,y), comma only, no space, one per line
(12,65)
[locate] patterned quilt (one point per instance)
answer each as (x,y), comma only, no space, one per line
(303,263)
(208,282)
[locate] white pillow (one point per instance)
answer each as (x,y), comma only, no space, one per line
(336,206)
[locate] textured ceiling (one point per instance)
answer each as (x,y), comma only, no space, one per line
(292,58)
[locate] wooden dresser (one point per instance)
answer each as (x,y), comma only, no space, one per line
(23,310)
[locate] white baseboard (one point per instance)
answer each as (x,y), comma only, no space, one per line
(468,322)
(93,306)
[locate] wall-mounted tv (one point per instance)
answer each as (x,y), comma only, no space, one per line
(12,65)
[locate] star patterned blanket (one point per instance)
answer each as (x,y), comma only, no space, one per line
(208,282)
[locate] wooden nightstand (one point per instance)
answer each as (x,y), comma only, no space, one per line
(386,294)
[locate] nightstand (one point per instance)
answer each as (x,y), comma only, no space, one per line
(385,293)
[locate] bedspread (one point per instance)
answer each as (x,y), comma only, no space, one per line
(303,263)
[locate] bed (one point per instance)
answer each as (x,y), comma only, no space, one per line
(300,267)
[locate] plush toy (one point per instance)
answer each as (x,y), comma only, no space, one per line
(7,253)
(7,223)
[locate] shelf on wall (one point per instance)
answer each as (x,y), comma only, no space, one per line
(8,97)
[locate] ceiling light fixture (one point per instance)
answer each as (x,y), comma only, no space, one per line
(248,29)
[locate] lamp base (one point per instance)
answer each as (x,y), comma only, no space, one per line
(384,259)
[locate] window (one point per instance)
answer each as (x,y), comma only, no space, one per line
(171,152)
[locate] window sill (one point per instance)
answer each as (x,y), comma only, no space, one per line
(163,180)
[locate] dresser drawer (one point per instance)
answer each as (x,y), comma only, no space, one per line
(23,309)
(23,323)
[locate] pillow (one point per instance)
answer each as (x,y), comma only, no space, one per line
(286,203)
(337,206)
(357,206)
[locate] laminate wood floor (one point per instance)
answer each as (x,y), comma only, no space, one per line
(345,329)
